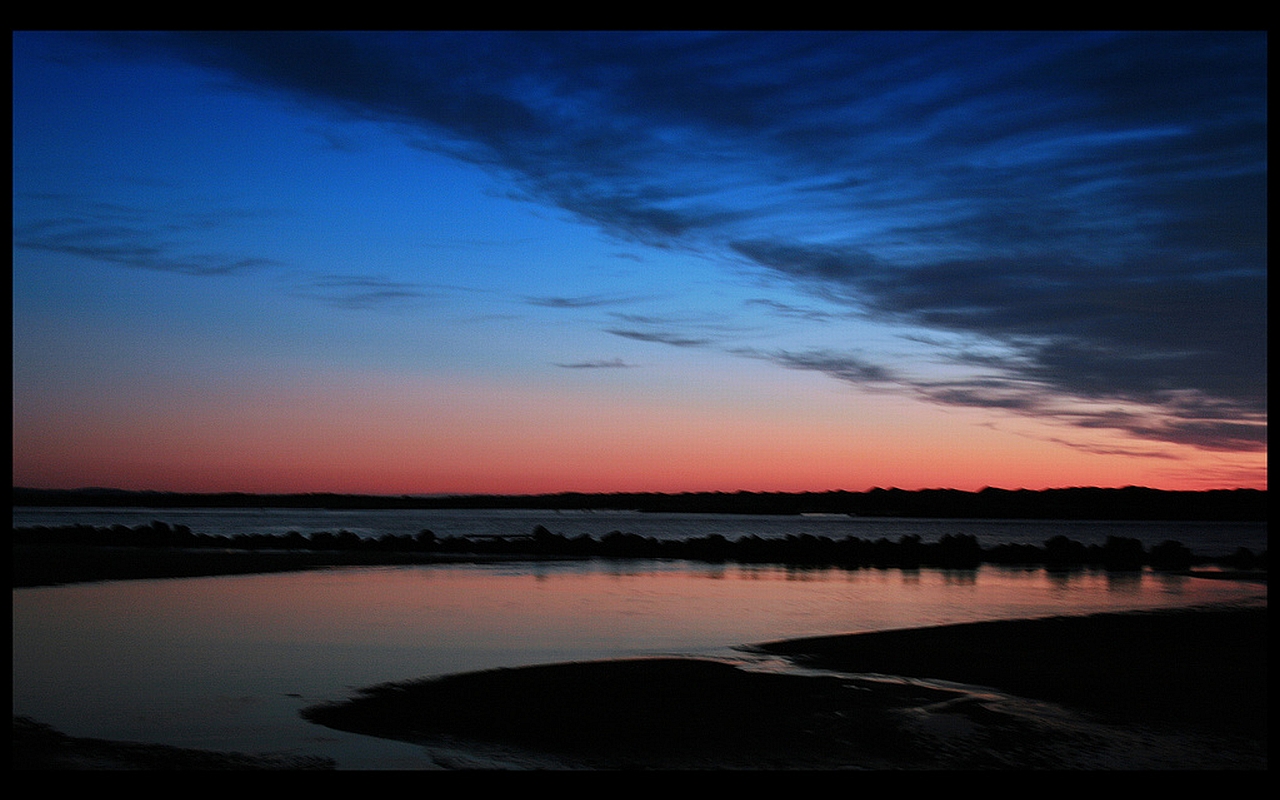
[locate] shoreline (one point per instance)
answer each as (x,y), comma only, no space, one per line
(1169,689)
(1202,667)
(1179,689)
(61,563)
(1193,684)
(37,746)
(1079,502)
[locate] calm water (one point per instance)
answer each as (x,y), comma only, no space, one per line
(226,662)
(1204,538)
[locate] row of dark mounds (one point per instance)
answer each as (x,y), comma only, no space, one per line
(950,551)
(1127,503)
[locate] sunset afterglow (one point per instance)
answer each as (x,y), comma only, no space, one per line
(399,263)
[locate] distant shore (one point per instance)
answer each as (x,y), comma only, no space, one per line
(78,554)
(1071,503)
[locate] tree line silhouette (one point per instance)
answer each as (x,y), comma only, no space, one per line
(1073,503)
(961,551)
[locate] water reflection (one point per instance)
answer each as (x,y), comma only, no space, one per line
(226,662)
(1129,583)
(960,577)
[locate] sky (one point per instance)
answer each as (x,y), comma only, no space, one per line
(535,262)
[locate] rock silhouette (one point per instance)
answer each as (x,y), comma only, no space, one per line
(953,551)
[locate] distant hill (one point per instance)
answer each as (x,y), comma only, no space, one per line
(1128,503)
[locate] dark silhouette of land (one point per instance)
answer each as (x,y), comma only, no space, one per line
(37,746)
(45,555)
(52,555)
(1128,503)
(1165,690)
(1168,689)
(639,714)
(1205,668)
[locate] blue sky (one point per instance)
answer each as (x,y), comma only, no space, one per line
(953,258)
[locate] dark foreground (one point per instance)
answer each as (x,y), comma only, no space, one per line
(39,747)
(1164,690)
(1150,690)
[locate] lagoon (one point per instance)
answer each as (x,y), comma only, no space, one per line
(227,662)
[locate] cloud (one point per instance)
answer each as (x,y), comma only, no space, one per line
(1114,451)
(137,238)
(359,291)
(577,302)
(660,337)
(1091,206)
(612,363)
(838,266)
(791,311)
(847,367)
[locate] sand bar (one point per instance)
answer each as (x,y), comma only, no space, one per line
(1146,690)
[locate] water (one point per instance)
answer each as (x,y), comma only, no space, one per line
(1203,538)
(226,663)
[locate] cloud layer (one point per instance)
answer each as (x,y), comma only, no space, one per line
(1086,213)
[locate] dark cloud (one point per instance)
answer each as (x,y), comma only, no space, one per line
(1114,451)
(791,311)
(1092,205)
(591,301)
(137,238)
(844,366)
(611,363)
(833,265)
(360,291)
(988,393)
(661,337)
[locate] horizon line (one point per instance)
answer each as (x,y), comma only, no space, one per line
(116,490)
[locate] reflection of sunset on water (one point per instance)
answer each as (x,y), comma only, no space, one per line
(161,660)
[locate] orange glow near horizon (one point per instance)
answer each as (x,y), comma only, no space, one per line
(400,436)
(225,279)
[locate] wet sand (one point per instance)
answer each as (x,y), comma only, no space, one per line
(1205,668)
(1144,690)
(36,746)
